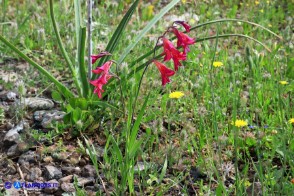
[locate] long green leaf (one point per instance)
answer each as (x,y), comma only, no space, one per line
(81,62)
(58,84)
(78,22)
(118,33)
(103,104)
(116,151)
(63,51)
(136,125)
(146,29)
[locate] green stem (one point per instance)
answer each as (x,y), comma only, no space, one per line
(63,51)
(236,20)
(234,35)
(61,87)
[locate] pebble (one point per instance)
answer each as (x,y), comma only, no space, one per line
(52,172)
(71,170)
(46,118)
(68,187)
(37,103)
(34,174)
(13,151)
(54,188)
(89,170)
(68,178)
(12,136)
(28,157)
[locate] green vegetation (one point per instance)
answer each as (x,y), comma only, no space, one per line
(229,133)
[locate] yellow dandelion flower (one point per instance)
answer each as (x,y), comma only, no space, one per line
(240,123)
(270,25)
(283,82)
(176,95)
(256,2)
(217,64)
(184,1)
(247,183)
(291,120)
(261,11)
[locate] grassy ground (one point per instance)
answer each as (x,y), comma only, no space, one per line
(191,145)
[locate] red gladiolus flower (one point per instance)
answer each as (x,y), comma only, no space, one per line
(104,68)
(164,71)
(183,40)
(104,77)
(185,25)
(171,52)
(98,56)
(98,83)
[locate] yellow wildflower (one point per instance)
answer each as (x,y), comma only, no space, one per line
(150,11)
(261,10)
(291,120)
(240,123)
(283,82)
(256,2)
(270,25)
(184,1)
(217,64)
(176,95)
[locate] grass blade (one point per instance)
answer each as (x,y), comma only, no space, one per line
(81,62)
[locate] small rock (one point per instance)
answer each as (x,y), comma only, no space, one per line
(12,136)
(85,181)
(11,96)
(23,146)
(13,151)
(71,170)
(54,187)
(52,172)
(28,157)
(46,118)
(89,171)
(48,159)
(68,187)
(37,103)
(66,179)
(34,174)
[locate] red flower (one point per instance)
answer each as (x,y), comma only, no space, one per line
(98,83)
(183,40)
(104,68)
(185,25)
(171,52)
(96,57)
(164,71)
(104,77)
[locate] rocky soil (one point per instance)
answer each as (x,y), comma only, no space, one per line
(27,157)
